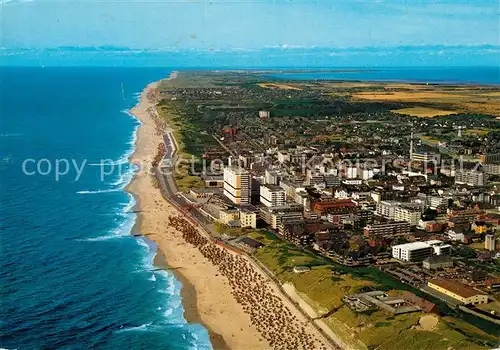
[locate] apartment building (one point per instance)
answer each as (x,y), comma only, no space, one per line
(418,251)
(426,157)
(387,229)
(409,214)
(273,216)
(248,218)
(438,202)
(237,185)
(489,242)
(272,195)
(470,177)
(387,209)
(412,252)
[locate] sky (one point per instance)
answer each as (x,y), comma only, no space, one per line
(162,24)
(253,24)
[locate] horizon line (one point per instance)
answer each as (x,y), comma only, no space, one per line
(283,47)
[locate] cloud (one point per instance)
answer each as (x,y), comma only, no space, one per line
(3,2)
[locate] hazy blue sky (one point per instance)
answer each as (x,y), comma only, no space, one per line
(164,24)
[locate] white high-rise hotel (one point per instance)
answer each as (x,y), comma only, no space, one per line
(272,195)
(237,185)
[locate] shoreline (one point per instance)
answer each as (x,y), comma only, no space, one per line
(189,300)
(215,309)
(188,292)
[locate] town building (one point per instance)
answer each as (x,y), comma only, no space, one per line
(426,157)
(239,218)
(351,172)
(204,192)
(461,218)
(250,243)
(491,169)
(227,215)
(458,291)
(425,305)
(490,158)
(438,202)
(272,195)
(493,284)
(271,177)
(334,206)
(387,229)
(275,215)
(412,252)
(456,235)
(368,174)
(213,180)
(434,262)
(291,188)
(314,178)
(418,251)
(264,114)
(410,214)
(246,160)
(387,209)
(294,230)
(248,218)
(301,269)
(489,242)
(281,217)
(332,180)
(432,226)
(237,185)
(283,157)
(440,248)
(380,300)
(470,177)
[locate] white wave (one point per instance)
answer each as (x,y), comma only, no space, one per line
(101,238)
(108,162)
(143,327)
(124,159)
(171,286)
(125,178)
(168,312)
(10,134)
(152,278)
(123,228)
(131,204)
(146,265)
(99,191)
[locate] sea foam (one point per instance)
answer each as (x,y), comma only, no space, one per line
(98,191)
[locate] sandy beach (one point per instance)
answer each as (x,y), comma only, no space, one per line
(207,294)
(214,306)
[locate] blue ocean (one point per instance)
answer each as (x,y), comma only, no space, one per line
(432,75)
(72,276)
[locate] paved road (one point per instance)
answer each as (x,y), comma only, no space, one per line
(167,183)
